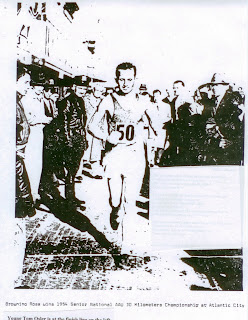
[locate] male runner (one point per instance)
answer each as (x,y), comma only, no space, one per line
(119,122)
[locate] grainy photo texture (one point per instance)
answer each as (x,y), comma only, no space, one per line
(101,102)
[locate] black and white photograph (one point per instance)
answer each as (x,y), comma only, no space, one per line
(92,124)
(130,149)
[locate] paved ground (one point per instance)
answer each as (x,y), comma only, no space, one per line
(58,256)
(62,253)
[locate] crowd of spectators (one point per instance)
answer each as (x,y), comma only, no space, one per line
(205,129)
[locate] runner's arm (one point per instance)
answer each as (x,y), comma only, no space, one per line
(98,125)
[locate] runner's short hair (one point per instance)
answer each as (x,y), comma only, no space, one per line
(124,66)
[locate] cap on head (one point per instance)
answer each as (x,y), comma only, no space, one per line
(143,87)
(82,81)
(217,78)
(66,81)
(37,79)
(50,82)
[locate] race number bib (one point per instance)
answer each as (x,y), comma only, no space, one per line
(127,132)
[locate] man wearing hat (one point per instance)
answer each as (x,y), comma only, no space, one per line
(224,115)
(143,91)
(73,141)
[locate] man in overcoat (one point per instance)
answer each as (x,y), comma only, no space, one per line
(224,119)
(24,204)
(73,141)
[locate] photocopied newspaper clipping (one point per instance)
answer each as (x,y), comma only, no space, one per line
(123,160)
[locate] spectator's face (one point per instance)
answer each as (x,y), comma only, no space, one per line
(80,91)
(206,92)
(210,92)
(157,96)
(240,90)
(126,80)
(219,89)
(23,84)
(177,87)
(197,96)
(211,129)
(98,91)
(47,93)
(38,89)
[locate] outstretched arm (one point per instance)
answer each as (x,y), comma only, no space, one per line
(98,125)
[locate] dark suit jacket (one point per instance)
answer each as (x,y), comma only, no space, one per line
(71,121)
(226,117)
(24,201)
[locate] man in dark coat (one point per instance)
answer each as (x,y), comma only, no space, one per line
(178,128)
(224,116)
(73,141)
(24,200)
(24,204)
(49,182)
